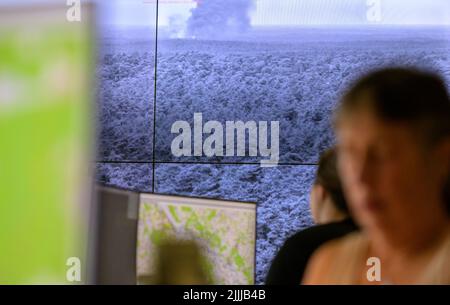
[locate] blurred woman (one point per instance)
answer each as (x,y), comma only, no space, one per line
(393,139)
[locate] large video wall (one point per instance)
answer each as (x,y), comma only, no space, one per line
(232,99)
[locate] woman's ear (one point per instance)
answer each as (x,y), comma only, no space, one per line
(317,198)
(321,193)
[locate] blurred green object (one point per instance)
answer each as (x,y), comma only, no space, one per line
(45,137)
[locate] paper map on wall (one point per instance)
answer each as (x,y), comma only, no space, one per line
(224,230)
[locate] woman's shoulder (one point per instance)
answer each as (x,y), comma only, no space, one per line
(327,261)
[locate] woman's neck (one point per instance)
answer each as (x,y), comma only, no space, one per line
(404,255)
(329,213)
(406,240)
(403,247)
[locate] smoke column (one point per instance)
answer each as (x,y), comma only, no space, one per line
(219,18)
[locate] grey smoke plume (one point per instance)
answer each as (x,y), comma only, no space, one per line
(219,18)
(177,26)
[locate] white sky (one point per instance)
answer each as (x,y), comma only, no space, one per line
(293,12)
(278,12)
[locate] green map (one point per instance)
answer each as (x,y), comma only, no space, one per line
(225,232)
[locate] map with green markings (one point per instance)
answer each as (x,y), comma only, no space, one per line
(224,230)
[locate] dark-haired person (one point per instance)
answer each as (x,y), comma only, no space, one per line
(327,200)
(329,210)
(393,139)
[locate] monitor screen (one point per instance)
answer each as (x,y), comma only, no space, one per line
(276,69)
(224,231)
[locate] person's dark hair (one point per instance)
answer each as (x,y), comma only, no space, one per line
(404,95)
(327,176)
(447,194)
